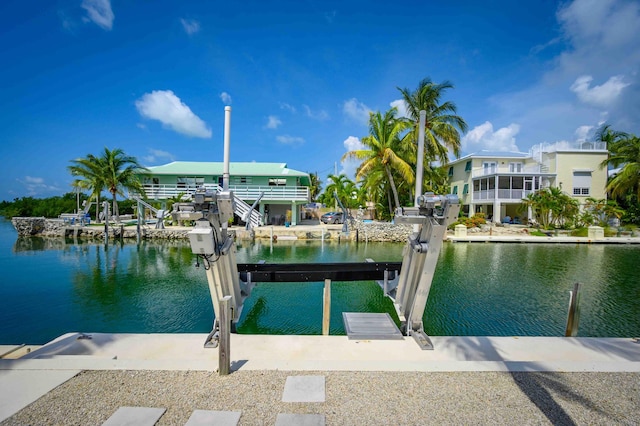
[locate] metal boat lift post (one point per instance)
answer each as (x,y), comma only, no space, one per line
(420,256)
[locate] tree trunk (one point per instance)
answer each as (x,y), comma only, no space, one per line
(393,186)
(115,208)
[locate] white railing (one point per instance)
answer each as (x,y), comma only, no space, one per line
(526,170)
(244,192)
(503,194)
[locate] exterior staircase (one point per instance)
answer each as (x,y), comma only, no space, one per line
(242,209)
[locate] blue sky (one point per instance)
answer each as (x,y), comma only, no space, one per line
(153,77)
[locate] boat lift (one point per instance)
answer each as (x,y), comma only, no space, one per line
(233,282)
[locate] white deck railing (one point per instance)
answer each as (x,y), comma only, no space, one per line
(503,194)
(244,192)
(526,170)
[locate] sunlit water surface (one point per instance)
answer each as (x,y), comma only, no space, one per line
(51,286)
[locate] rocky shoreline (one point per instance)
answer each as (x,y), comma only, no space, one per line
(358,231)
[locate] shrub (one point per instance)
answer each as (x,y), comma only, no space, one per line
(474,221)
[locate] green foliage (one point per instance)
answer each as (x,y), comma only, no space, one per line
(552,208)
(474,221)
(51,207)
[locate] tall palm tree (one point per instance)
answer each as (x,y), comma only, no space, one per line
(442,125)
(113,170)
(88,175)
(382,146)
(338,184)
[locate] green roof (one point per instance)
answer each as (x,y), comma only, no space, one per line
(203,168)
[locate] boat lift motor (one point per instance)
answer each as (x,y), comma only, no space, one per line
(420,256)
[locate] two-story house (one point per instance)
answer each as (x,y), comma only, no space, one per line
(495,183)
(282,188)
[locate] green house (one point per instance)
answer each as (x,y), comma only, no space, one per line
(282,188)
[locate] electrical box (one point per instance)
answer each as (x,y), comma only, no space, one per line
(201,240)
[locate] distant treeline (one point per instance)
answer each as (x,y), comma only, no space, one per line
(53,206)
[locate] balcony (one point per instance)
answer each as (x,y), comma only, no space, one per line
(526,170)
(244,192)
(503,194)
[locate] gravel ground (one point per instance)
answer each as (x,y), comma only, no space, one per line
(352,398)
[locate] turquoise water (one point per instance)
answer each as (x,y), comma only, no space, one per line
(50,287)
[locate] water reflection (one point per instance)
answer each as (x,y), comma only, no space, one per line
(51,287)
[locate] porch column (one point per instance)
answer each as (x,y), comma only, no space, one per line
(294,214)
(497,214)
(261,210)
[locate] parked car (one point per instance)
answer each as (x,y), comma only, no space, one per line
(332,217)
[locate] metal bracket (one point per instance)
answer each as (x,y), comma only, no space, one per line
(213,338)
(422,339)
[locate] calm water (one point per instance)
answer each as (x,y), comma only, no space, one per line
(50,287)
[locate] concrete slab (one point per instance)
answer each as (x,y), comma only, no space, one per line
(300,420)
(210,417)
(304,389)
(135,416)
(334,353)
(19,388)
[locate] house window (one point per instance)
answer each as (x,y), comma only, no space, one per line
(467,167)
(455,189)
(277,182)
(451,171)
(489,168)
(516,167)
(242,180)
(581,182)
(465,190)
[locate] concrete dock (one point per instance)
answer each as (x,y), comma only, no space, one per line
(35,375)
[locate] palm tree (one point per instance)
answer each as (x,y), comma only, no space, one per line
(442,125)
(89,176)
(383,144)
(338,185)
(114,171)
(315,186)
(624,150)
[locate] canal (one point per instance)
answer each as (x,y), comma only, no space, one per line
(50,287)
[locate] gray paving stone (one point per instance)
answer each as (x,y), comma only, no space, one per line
(300,420)
(135,416)
(210,417)
(304,389)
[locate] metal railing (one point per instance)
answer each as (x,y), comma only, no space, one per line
(244,192)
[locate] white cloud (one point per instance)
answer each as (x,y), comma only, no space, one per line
(356,111)
(349,166)
(157,155)
(401,106)
(37,186)
(603,95)
(316,115)
(99,12)
(483,137)
(191,26)
(164,106)
(286,106)
(273,122)
(598,40)
(583,132)
(226,98)
(290,140)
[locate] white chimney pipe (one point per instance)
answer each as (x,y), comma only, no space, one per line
(227,139)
